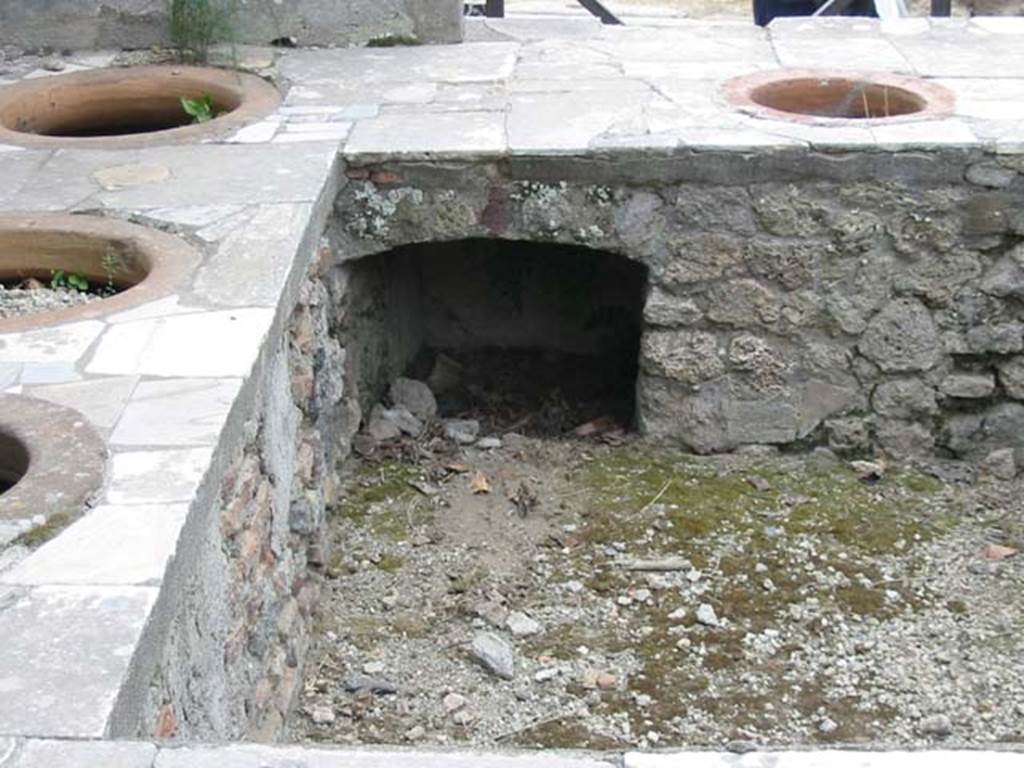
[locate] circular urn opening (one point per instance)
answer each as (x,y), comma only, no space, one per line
(829,97)
(45,259)
(133,106)
(14,461)
(51,462)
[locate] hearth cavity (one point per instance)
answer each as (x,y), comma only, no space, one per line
(131,107)
(526,337)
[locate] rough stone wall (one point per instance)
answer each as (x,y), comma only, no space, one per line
(868,300)
(232,662)
(92,24)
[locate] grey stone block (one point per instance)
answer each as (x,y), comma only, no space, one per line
(968,386)
(902,337)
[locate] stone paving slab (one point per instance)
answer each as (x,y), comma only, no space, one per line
(156,477)
(825,759)
(101,400)
(175,176)
(46,753)
(201,406)
(223,343)
(112,545)
(78,754)
(245,756)
(63,683)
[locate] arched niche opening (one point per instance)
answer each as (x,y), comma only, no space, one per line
(535,338)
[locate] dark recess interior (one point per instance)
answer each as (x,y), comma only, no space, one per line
(526,337)
(14,461)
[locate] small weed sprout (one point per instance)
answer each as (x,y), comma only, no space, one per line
(112,263)
(200,110)
(196,25)
(68,281)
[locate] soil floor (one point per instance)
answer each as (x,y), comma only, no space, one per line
(652,598)
(16,302)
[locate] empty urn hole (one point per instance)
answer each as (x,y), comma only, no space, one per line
(131,102)
(837,97)
(14,461)
(115,109)
(532,338)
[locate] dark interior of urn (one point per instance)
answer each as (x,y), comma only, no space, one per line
(14,461)
(837,97)
(39,253)
(112,107)
(545,337)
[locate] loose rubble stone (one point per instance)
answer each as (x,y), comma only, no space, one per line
(990,175)
(415,396)
(706,615)
(494,654)
(656,564)
(489,443)
(521,625)
(936,725)
(370,684)
(415,733)
(453,702)
(1001,464)
(322,715)
(382,425)
(462,431)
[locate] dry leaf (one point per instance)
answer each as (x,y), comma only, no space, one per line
(998,552)
(595,426)
(479,483)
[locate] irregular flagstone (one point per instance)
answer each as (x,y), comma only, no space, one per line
(101,401)
(63,683)
(221,343)
(48,373)
(110,545)
(17,168)
(945,54)
(247,268)
(841,52)
(217,174)
(39,753)
(397,134)
(201,407)
(165,307)
(544,121)
(62,343)
(251,756)
(148,477)
(819,759)
(364,68)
